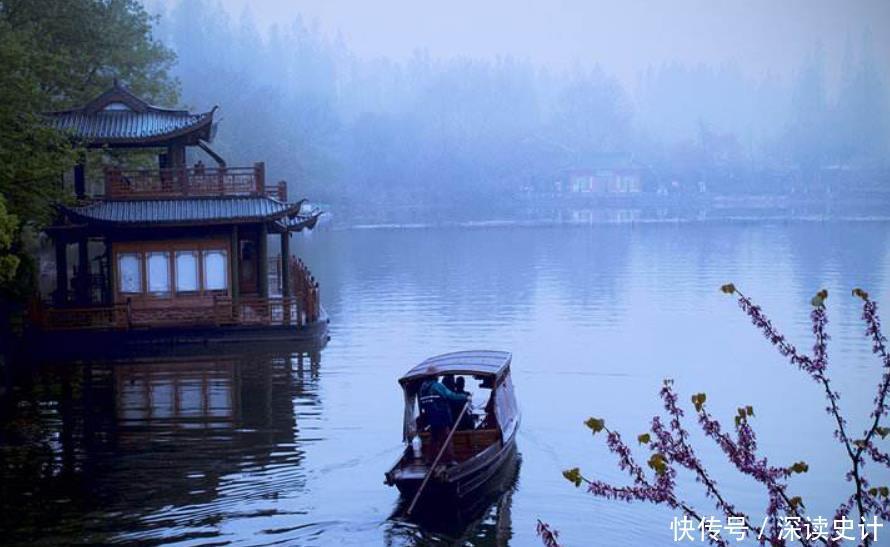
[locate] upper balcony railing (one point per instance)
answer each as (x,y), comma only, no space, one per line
(196,181)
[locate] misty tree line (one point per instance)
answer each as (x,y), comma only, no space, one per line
(428,131)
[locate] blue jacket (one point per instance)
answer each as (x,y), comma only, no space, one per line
(434,397)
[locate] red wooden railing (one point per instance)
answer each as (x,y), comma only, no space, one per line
(80,318)
(188,181)
(221,311)
(301,308)
(279,191)
(305,289)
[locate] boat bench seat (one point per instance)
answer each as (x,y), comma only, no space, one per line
(466,444)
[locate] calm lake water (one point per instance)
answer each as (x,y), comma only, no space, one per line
(291,449)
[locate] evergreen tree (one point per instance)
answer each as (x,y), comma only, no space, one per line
(57,54)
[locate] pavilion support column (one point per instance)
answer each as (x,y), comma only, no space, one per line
(176,156)
(233,265)
(263,252)
(285,264)
(108,292)
(83,270)
(80,183)
(61,296)
(259,174)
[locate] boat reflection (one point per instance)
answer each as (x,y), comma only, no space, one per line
(160,444)
(484,520)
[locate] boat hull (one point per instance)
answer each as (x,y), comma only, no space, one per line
(470,479)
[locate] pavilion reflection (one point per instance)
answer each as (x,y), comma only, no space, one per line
(156,442)
(167,396)
(208,418)
(174,395)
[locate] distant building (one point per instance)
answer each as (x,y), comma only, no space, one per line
(605,175)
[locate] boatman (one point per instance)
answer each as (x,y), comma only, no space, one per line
(469,420)
(435,406)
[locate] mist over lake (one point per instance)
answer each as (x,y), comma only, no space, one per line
(405,273)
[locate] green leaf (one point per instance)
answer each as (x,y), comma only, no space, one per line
(729,288)
(699,400)
(573,475)
(658,463)
(595,424)
(882,431)
(799,467)
(9,263)
(749,410)
(860,293)
(644,438)
(795,501)
(819,299)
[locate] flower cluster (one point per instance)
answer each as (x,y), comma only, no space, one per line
(547,534)
(668,443)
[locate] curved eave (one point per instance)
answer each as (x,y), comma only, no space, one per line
(300,222)
(199,130)
(166,224)
(78,215)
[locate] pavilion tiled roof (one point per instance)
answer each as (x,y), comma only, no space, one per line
(117,117)
(184,211)
(128,126)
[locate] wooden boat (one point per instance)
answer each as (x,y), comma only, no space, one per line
(482,451)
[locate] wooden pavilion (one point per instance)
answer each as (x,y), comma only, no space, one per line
(173,246)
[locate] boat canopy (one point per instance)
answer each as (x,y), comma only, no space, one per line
(492,366)
(474,362)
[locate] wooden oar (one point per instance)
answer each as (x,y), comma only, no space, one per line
(438,457)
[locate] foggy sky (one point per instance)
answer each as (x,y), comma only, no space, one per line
(759,36)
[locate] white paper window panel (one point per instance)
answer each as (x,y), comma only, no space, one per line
(130,272)
(158,272)
(215,270)
(187,271)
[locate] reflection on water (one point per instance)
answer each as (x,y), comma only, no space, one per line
(275,448)
(485,520)
(155,450)
(183,450)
